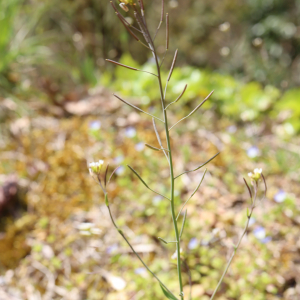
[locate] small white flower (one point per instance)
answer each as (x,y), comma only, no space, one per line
(258,171)
(124,7)
(256,175)
(95,167)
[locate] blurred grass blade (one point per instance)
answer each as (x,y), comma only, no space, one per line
(168,294)
(199,166)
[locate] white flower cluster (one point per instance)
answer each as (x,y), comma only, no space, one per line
(95,167)
(256,174)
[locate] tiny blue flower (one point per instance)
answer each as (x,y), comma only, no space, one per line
(140,271)
(253,152)
(120,170)
(266,240)
(119,159)
(232,129)
(280,196)
(139,146)
(130,132)
(193,243)
(95,125)
(157,199)
(112,248)
(259,233)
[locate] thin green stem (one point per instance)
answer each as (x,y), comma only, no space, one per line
(172,179)
(137,255)
(171,176)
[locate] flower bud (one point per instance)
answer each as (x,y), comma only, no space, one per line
(95,167)
(256,175)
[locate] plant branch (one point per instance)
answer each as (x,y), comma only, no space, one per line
(167,39)
(156,149)
(183,223)
(179,97)
(123,19)
(161,18)
(194,192)
(193,110)
(159,140)
(171,72)
(166,242)
(128,67)
(199,166)
(133,106)
(145,184)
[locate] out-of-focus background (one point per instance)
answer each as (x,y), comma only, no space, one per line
(57,114)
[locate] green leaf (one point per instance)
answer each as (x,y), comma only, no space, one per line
(167,293)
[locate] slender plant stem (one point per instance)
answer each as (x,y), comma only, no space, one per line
(234,252)
(171,175)
(137,255)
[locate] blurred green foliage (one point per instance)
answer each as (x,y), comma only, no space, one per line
(53,52)
(237,101)
(65,43)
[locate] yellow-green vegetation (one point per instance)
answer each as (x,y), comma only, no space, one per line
(50,154)
(57,115)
